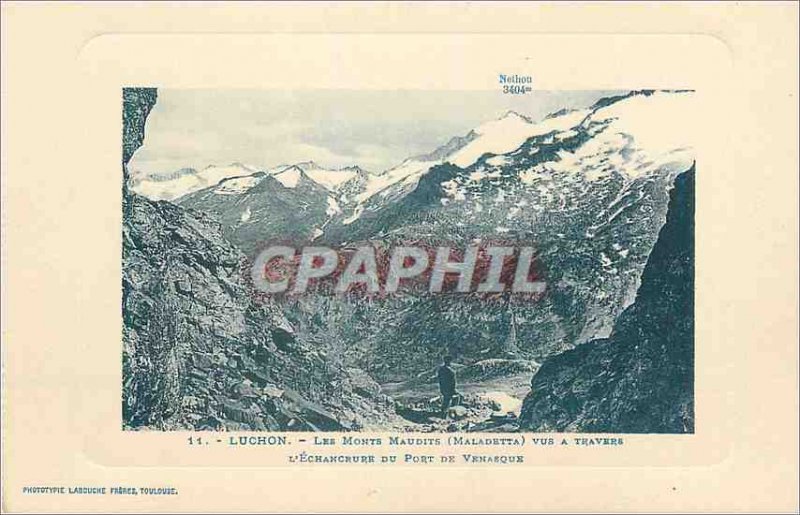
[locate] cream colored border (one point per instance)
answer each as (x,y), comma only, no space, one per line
(63,66)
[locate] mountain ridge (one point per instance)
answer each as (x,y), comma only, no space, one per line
(586,194)
(590,189)
(210,175)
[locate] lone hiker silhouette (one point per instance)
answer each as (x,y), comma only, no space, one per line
(447,383)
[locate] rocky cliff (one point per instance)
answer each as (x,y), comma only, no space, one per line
(198,352)
(640,379)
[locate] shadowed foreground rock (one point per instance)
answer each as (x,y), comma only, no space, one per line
(640,379)
(198,352)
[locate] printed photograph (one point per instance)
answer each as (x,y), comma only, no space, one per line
(495,261)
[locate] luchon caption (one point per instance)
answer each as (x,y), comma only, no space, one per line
(403,449)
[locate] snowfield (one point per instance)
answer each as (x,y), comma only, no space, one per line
(237,186)
(189,181)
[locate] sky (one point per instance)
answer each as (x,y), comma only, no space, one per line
(373,129)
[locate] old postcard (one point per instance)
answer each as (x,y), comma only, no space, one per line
(345,257)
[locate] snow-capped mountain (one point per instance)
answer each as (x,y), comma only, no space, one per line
(655,117)
(184,181)
(588,188)
(497,137)
(340,180)
(173,185)
(331,179)
(253,209)
(352,189)
(289,201)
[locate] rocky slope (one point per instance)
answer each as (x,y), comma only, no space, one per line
(289,203)
(588,189)
(266,210)
(198,353)
(641,378)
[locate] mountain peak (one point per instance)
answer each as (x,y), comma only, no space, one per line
(308,165)
(291,176)
(512,115)
(294,169)
(354,168)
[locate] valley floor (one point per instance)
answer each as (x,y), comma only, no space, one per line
(489,405)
